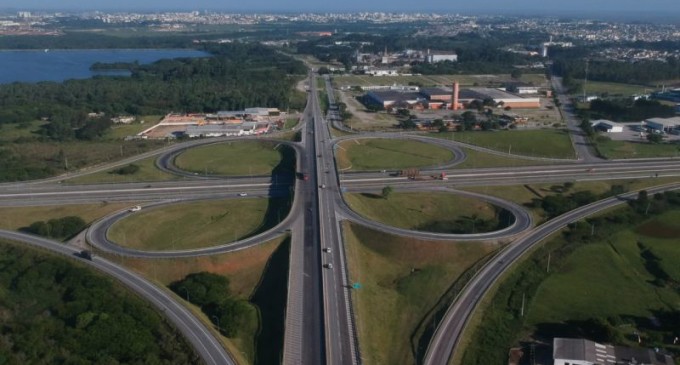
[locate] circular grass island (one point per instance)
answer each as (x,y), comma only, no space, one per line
(235,158)
(436,212)
(197,224)
(382,153)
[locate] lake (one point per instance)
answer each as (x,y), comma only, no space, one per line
(59,64)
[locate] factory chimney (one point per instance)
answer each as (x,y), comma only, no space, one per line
(454,97)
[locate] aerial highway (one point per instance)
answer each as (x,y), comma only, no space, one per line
(320,327)
(201,338)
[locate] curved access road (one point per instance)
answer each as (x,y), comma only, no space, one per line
(97,234)
(201,338)
(449,331)
(166,161)
(522,222)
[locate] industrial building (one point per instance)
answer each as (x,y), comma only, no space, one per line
(607,126)
(441,57)
(220,130)
(663,124)
(578,351)
(388,98)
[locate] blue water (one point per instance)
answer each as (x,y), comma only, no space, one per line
(60,65)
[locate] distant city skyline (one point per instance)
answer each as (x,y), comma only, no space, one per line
(573,7)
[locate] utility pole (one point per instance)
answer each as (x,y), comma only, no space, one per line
(522,311)
(548,267)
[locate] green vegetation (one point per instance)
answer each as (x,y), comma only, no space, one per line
(594,265)
(130,169)
(403,283)
(60,228)
(477,159)
(58,312)
(626,110)
(186,84)
(16,218)
(625,149)
(608,89)
(554,143)
(257,275)
(571,67)
(235,158)
(198,224)
(211,293)
(430,211)
(380,153)
(147,172)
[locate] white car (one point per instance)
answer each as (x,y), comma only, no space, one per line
(329,265)
(136,208)
(327,250)
(242,194)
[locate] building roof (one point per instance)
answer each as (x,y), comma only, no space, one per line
(213,128)
(487,92)
(440,91)
(579,349)
(606,123)
(666,122)
(394,96)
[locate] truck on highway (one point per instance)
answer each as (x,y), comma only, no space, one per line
(86,254)
(136,208)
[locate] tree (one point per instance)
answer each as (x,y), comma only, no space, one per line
(516,74)
(203,288)
(654,138)
(587,128)
(386,191)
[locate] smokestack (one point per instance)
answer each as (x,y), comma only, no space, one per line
(454,97)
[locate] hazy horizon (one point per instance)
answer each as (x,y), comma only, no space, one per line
(574,7)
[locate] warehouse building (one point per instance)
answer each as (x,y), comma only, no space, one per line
(578,351)
(607,126)
(663,124)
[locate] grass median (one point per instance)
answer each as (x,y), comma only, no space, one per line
(402,281)
(625,149)
(198,224)
(15,218)
(546,143)
(382,153)
(146,172)
(238,158)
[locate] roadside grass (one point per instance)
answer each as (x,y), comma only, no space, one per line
(250,271)
(14,218)
(625,149)
(198,224)
(425,211)
(147,172)
(549,143)
(381,153)
(402,280)
(291,123)
(68,156)
(232,158)
(477,159)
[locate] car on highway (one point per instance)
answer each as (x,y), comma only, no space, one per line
(86,254)
(136,208)
(242,194)
(327,250)
(323,186)
(329,265)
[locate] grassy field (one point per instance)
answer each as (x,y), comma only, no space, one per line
(524,194)
(13,218)
(434,80)
(231,158)
(120,131)
(477,159)
(10,132)
(420,210)
(377,154)
(198,224)
(624,149)
(248,271)
(623,275)
(401,281)
(147,172)
(614,89)
(551,143)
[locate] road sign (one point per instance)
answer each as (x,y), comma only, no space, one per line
(356,286)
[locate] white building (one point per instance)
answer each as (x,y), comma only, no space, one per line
(607,126)
(440,57)
(382,72)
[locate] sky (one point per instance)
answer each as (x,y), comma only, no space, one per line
(583,7)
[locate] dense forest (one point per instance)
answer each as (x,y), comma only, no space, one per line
(55,312)
(626,110)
